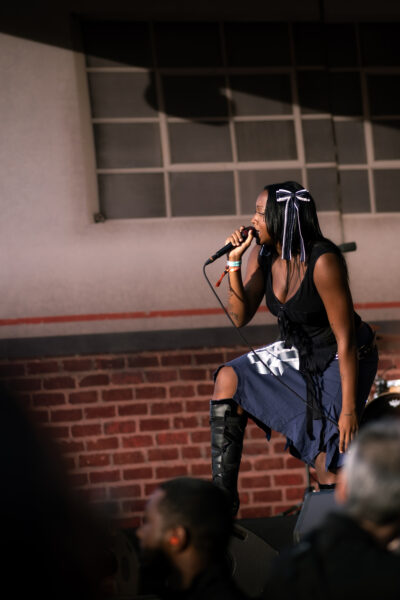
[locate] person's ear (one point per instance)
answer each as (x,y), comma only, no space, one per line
(176,539)
(341,488)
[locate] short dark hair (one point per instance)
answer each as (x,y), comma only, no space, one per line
(275,218)
(202,509)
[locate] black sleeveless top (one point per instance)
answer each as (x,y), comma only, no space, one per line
(303,321)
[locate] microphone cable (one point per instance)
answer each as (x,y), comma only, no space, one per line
(259,359)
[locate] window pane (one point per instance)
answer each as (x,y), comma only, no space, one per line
(196,194)
(350,142)
(384,94)
(345,89)
(122,95)
(332,44)
(355,191)
(257,44)
(202,96)
(322,184)
(132,196)
(386,135)
(127,145)
(380,44)
(117,43)
(318,140)
(251,184)
(261,95)
(387,183)
(313,92)
(266,140)
(199,142)
(188,44)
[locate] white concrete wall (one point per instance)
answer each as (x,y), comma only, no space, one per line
(56,262)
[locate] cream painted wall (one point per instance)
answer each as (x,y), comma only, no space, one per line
(57,262)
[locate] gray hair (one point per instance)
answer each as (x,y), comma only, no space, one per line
(372,471)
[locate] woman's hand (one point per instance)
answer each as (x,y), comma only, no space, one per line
(241,244)
(348,427)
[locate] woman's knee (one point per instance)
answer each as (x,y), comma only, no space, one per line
(225,384)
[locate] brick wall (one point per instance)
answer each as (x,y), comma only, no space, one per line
(128,421)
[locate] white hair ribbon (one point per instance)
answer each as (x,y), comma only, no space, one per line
(292,200)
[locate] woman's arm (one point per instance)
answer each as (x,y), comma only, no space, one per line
(244,296)
(330,279)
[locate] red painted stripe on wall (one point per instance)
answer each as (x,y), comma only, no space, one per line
(153,314)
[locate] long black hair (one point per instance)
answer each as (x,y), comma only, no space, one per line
(275,219)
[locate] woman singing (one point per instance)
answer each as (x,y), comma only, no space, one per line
(312,384)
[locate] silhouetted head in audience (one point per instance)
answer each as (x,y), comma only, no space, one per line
(53,545)
(186,528)
(369,483)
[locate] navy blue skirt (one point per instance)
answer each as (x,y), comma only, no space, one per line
(277,400)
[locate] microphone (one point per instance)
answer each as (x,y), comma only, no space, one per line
(228,247)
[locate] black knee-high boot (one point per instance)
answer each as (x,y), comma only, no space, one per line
(227,432)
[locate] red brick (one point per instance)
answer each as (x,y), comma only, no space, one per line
(56,383)
(172,438)
(104,476)
(293,463)
(256,481)
(109,363)
(267,496)
(93,380)
(132,409)
(168,472)
(255,449)
(137,441)
(205,389)
(215,358)
(95,494)
(153,424)
(200,436)
(198,470)
(78,364)
(108,443)
(42,366)
(125,491)
(191,452)
(288,479)
(231,355)
(126,458)
(294,493)
(185,422)
(58,416)
(85,430)
(279,447)
(198,406)
(71,446)
(143,361)
(120,394)
(149,488)
(83,397)
(12,369)
(48,399)
(176,360)
(139,473)
(58,431)
(163,454)
(40,416)
(255,433)
(161,376)
(150,392)
(100,412)
(120,427)
(255,512)
(192,374)
(163,408)
(126,378)
(134,505)
(181,391)
(24,385)
(265,464)
(94,460)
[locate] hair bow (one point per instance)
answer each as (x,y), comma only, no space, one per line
(292,200)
